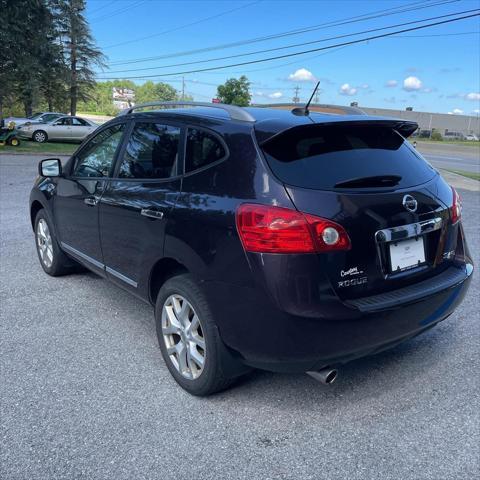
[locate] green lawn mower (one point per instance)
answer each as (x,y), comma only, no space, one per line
(9,136)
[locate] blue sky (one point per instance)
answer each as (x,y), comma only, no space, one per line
(435,69)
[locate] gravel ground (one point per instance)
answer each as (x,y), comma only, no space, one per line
(85,394)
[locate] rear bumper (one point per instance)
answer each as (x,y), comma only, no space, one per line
(269,338)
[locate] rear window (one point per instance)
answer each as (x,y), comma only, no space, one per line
(325,157)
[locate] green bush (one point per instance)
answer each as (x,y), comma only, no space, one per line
(436,136)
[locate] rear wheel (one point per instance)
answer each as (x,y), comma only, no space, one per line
(40,136)
(188,337)
(52,259)
(14,142)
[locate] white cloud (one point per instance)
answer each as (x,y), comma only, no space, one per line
(258,94)
(346,89)
(365,86)
(391,83)
(276,95)
(472,96)
(477,111)
(301,75)
(456,111)
(411,84)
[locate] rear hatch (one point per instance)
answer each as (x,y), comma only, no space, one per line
(366,177)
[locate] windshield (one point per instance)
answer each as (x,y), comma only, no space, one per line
(327,157)
(35,116)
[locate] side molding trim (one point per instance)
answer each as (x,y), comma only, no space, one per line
(98,264)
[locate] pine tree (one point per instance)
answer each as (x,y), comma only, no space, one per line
(80,51)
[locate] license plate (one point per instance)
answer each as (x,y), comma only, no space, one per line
(407,254)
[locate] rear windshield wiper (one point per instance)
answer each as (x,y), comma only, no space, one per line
(374,181)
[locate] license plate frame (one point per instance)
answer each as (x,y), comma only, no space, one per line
(407,254)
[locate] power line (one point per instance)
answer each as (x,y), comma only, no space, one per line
(102,7)
(117,12)
(183,26)
(352,42)
(438,35)
(337,37)
(285,64)
(359,18)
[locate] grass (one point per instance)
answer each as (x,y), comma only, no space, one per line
(49,148)
(473,175)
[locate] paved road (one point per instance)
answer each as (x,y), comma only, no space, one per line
(452,156)
(85,394)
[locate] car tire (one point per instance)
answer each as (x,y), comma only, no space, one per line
(52,259)
(39,136)
(13,142)
(212,377)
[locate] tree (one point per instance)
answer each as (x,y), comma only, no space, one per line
(54,73)
(80,51)
(152,92)
(235,92)
(26,50)
(436,135)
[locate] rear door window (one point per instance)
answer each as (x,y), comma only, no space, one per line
(79,122)
(323,157)
(203,148)
(151,152)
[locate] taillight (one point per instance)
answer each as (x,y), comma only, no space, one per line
(456,209)
(269,229)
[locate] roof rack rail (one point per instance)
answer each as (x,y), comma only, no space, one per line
(236,113)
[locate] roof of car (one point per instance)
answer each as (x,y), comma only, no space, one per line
(268,121)
(280,113)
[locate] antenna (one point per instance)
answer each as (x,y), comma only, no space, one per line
(303,111)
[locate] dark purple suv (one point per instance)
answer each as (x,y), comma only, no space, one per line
(264,238)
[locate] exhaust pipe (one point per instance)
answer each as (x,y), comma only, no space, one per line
(326,375)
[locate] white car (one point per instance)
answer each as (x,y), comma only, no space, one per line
(471,138)
(63,128)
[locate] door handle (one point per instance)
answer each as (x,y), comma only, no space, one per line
(148,212)
(90,201)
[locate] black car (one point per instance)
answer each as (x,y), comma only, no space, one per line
(265,238)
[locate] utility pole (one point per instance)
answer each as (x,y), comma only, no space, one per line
(296,98)
(183,88)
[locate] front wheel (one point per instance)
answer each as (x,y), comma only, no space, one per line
(39,136)
(52,259)
(14,142)
(188,337)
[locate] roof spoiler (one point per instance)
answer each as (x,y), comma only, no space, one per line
(404,127)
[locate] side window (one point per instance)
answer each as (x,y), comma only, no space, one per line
(151,152)
(203,148)
(96,159)
(79,122)
(62,121)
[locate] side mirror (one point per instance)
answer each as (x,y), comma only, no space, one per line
(50,167)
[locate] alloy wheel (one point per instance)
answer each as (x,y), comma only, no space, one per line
(183,336)
(44,243)
(40,137)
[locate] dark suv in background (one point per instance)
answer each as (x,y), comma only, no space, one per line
(287,241)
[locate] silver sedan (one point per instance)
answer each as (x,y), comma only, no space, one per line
(63,128)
